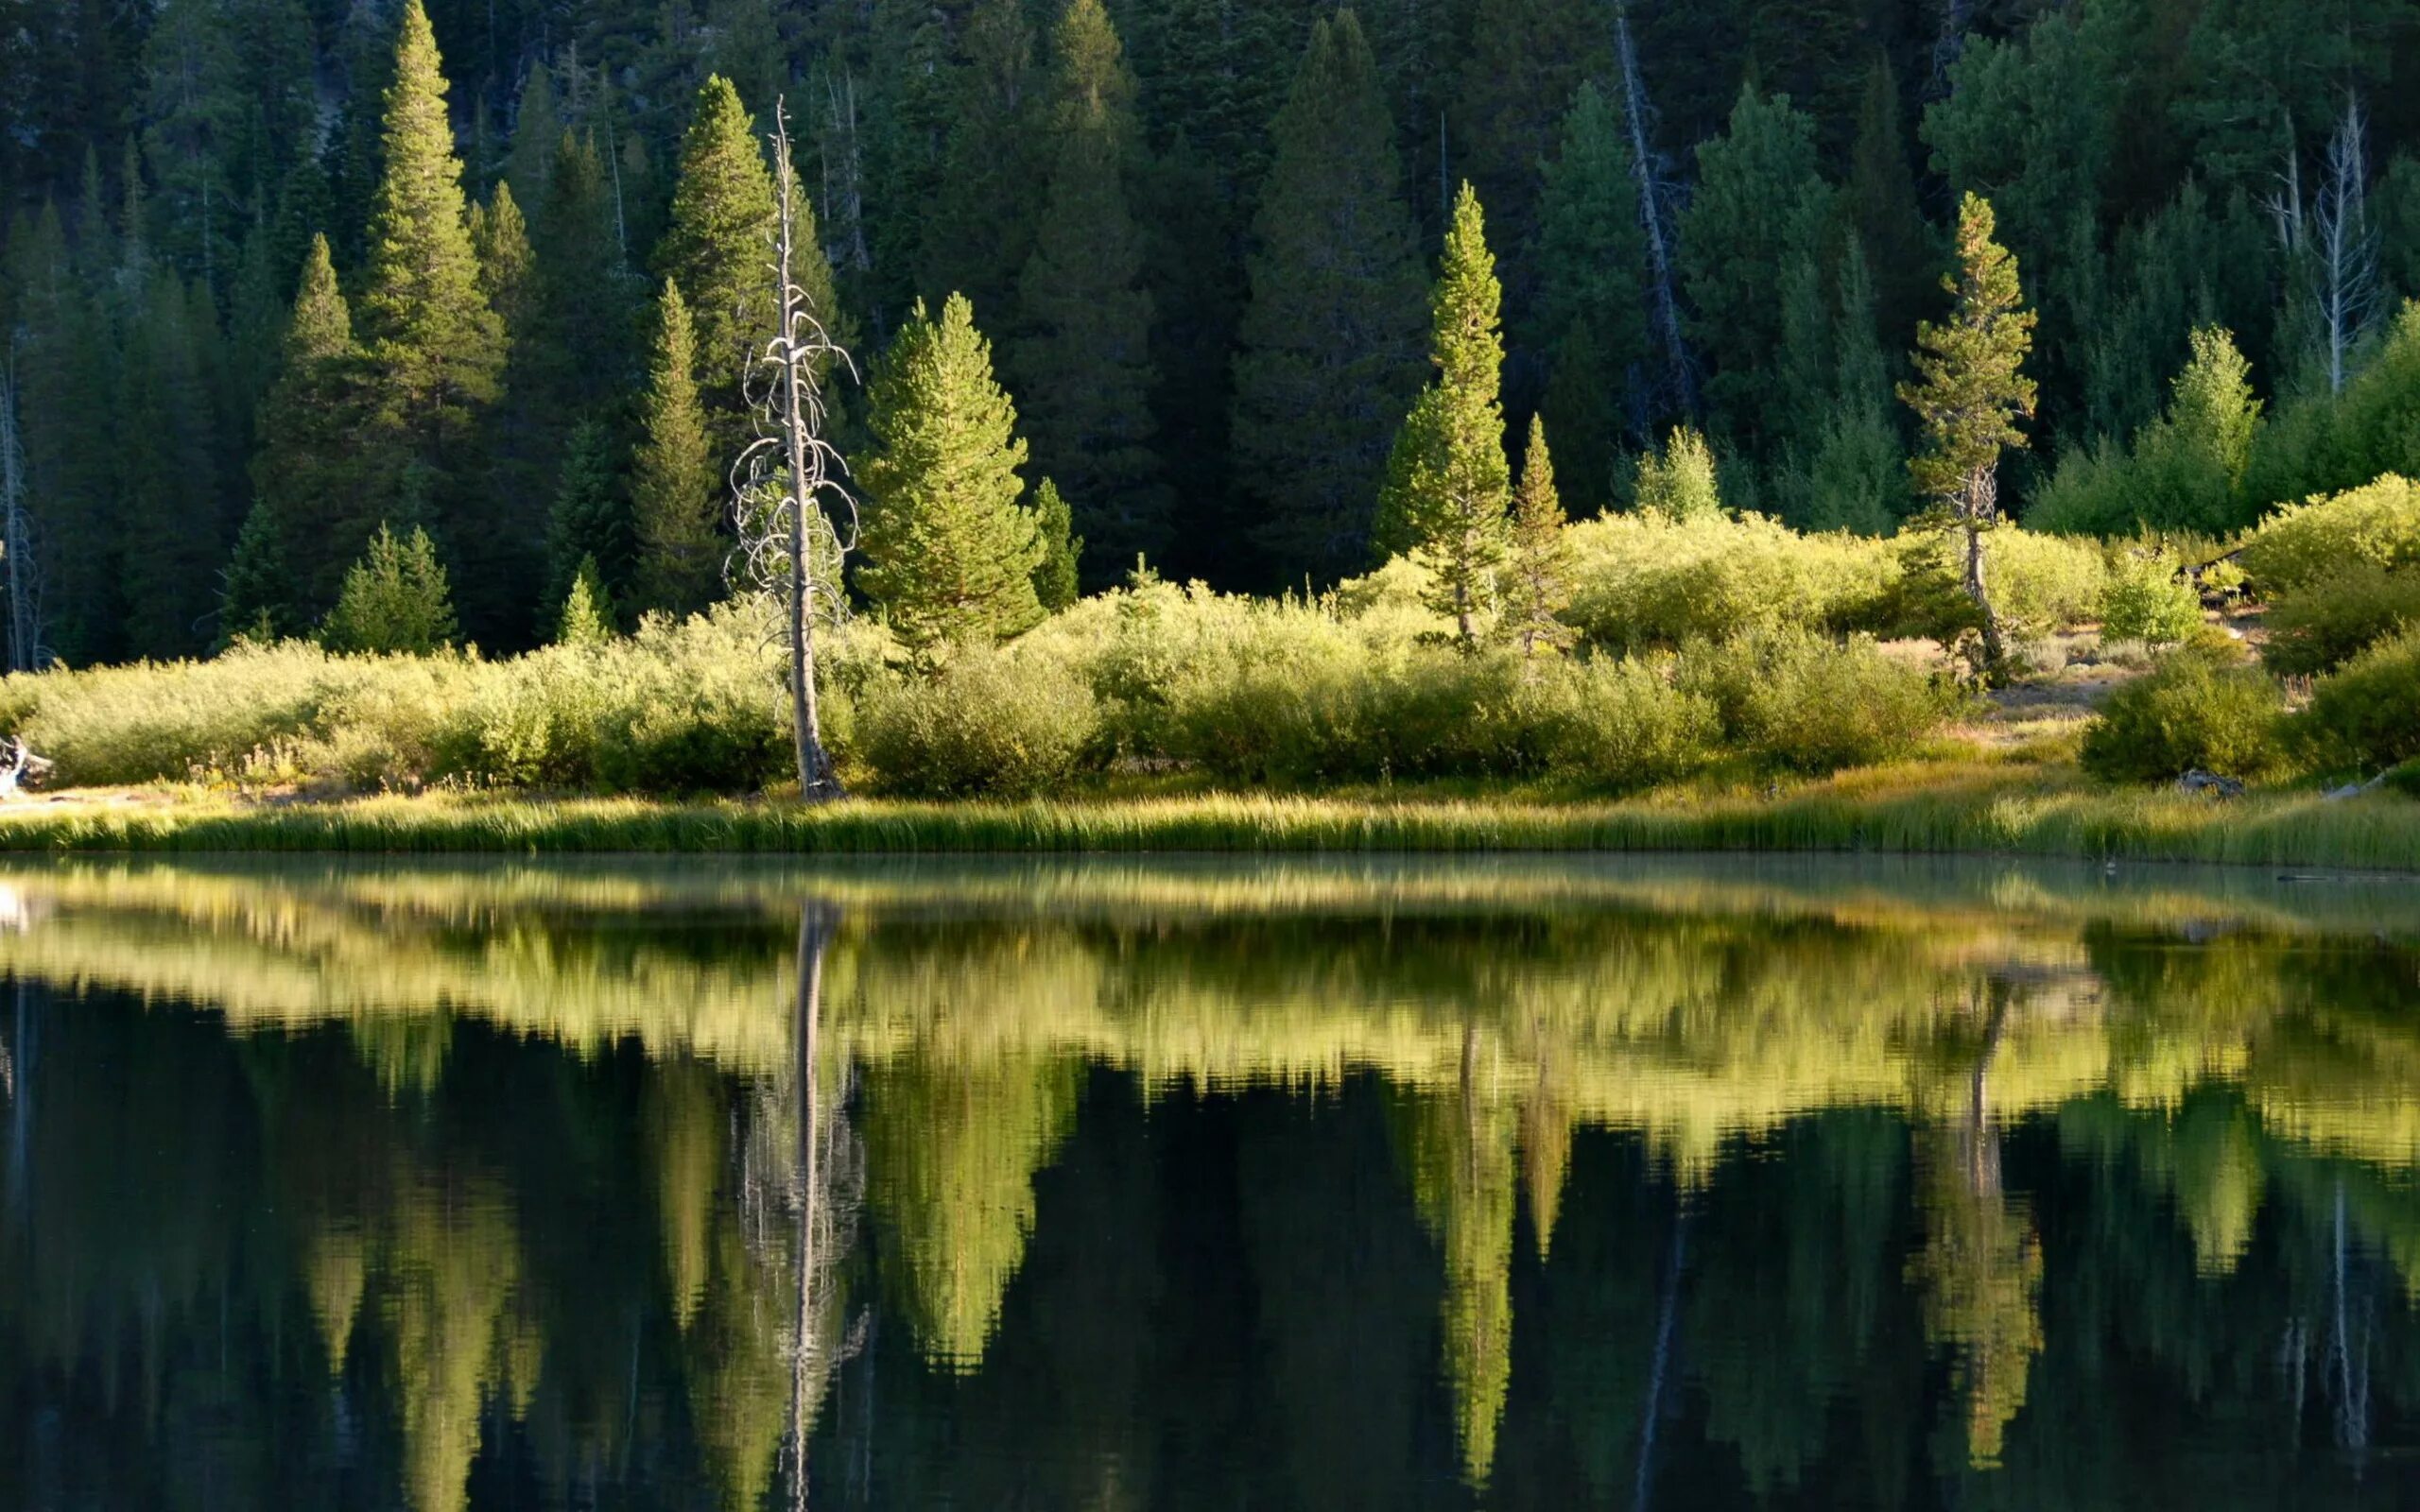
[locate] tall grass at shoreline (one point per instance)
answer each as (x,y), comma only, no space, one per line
(1876,812)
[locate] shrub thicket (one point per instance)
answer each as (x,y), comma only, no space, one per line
(2319,538)
(1642,581)
(1813,704)
(984,722)
(2367,714)
(2326,623)
(2039,584)
(2199,710)
(2145,599)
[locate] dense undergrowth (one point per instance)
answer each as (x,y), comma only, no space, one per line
(1715,651)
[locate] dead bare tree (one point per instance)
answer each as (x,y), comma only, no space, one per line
(1655,194)
(2329,238)
(786,488)
(17,559)
(843,191)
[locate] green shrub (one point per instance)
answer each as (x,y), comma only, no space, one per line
(1623,724)
(2039,583)
(2145,600)
(2314,540)
(1641,581)
(984,723)
(2325,442)
(396,599)
(2367,714)
(2326,623)
(2198,711)
(1814,704)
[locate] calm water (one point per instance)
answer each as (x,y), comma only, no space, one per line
(1515,1184)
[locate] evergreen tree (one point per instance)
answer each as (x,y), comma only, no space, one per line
(589,528)
(395,600)
(979,232)
(1083,359)
(1328,339)
(1592,301)
(1680,483)
(1969,393)
(1539,573)
(1451,485)
(675,490)
(949,553)
(1889,223)
(573,355)
(536,131)
(436,347)
(310,472)
(1759,206)
(500,239)
(583,620)
(256,593)
(1851,473)
(1525,59)
(715,248)
(1054,576)
(169,531)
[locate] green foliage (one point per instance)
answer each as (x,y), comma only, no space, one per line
(984,723)
(394,600)
(2185,471)
(584,620)
(1592,295)
(2040,584)
(1680,483)
(1449,483)
(1083,357)
(1812,703)
(2376,524)
(675,491)
(256,593)
(1970,387)
(309,482)
(722,220)
(1643,580)
(2326,623)
(1538,574)
(589,528)
(500,239)
(2197,710)
(949,553)
(1054,576)
(2147,599)
(1329,345)
(2366,714)
(2320,442)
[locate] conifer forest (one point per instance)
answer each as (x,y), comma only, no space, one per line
(1693,350)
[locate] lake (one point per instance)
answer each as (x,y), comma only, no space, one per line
(1168,1183)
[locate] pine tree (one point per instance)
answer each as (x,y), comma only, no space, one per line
(536,130)
(1329,338)
(1854,477)
(949,552)
(256,593)
(500,239)
(1592,300)
(674,486)
(310,472)
(583,620)
(1680,483)
(1538,576)
(170,532)
(1759,206)
(981,231)
(714,248)
(395,600)
(1451,484)
(1524,61)
(436,347)
(1083,361)
(1899,246)
(1969,393)
(1054,576)
(590,524)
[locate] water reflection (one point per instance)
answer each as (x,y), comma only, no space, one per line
(1173,1184)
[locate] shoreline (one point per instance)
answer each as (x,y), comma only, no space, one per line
(1866,813)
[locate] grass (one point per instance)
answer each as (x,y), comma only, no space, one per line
(1921,807)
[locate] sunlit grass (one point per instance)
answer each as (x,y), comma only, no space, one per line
(1938,806)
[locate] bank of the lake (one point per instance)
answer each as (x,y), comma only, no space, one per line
(1962,809)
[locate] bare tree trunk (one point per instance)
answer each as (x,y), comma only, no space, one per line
(1652,215)
(16,536)
(1977,512)
(2347,250)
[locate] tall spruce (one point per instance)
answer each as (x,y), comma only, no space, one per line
(500,237)
(949,551)
(1082,360)
(675,487)
(308,473)
(979,232)
(716,247)
(436,347)
(1591,316)
(1054,576)
(1538,570)
(1969,393)
(1329,340)
(1449,484)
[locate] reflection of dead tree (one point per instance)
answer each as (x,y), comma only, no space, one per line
(826,1187)
(1659,1366)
